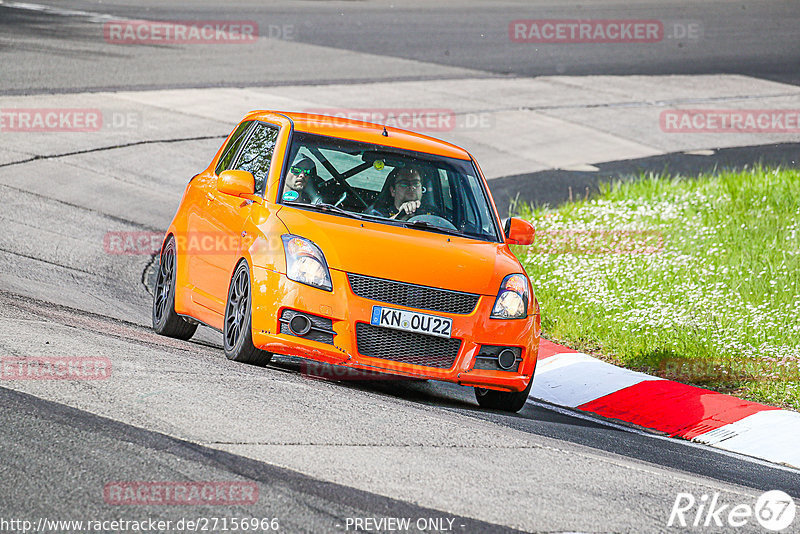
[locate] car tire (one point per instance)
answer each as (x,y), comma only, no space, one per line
(237,333)
(505,401)
(165,321)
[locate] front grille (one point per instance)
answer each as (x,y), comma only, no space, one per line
(406,347)
(321,327)
(412,295)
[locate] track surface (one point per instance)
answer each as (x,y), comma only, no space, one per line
(378,40)
(319,451)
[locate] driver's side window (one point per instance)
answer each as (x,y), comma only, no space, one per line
(256,155)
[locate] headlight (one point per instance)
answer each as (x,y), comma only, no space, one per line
(305,262)
(512,299)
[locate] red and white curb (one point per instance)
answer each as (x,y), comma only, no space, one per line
(574,380)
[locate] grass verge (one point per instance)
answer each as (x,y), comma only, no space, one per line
(692,279)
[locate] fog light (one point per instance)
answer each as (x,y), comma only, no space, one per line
(506,359)
(300,325)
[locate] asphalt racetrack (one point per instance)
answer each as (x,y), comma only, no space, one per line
(325,456)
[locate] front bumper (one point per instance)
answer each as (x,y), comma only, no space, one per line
(274,294)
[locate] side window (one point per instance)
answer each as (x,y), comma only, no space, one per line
(467,203)
(233,145)
(447,197)
(256,156)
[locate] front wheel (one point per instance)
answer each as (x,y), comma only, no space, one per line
(165,321)
(237,333)
(505,401)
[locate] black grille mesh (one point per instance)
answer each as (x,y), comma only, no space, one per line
(406,347)
(412,296)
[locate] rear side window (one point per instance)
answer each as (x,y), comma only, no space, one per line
(232,146)
(256,155)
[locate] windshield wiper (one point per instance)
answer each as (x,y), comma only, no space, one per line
(432,227)
(380,218)
(329,208)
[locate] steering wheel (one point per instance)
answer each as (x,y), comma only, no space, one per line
(433,220)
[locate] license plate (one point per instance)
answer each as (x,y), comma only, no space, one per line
(422,323)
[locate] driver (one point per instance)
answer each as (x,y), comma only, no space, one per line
(406,194)
(296,180)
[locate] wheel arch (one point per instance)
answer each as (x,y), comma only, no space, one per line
(182,305)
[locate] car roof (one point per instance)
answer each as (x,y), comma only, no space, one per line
(365,132)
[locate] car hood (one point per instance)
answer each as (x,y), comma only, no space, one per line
(404,254)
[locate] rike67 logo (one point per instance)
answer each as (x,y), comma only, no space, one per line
(774,510)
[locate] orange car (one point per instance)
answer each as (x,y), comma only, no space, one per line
(356,245)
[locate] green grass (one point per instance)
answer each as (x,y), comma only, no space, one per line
(695,279)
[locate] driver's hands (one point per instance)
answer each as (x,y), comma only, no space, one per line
(409,207)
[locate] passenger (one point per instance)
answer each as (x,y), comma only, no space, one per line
(405,190)
(294,188)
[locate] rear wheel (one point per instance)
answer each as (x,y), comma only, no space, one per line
(165,321)
(237,333)
(506,401)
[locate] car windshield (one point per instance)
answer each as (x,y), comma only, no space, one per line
(388,185)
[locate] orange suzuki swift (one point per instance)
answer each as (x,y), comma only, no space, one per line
(356,245)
